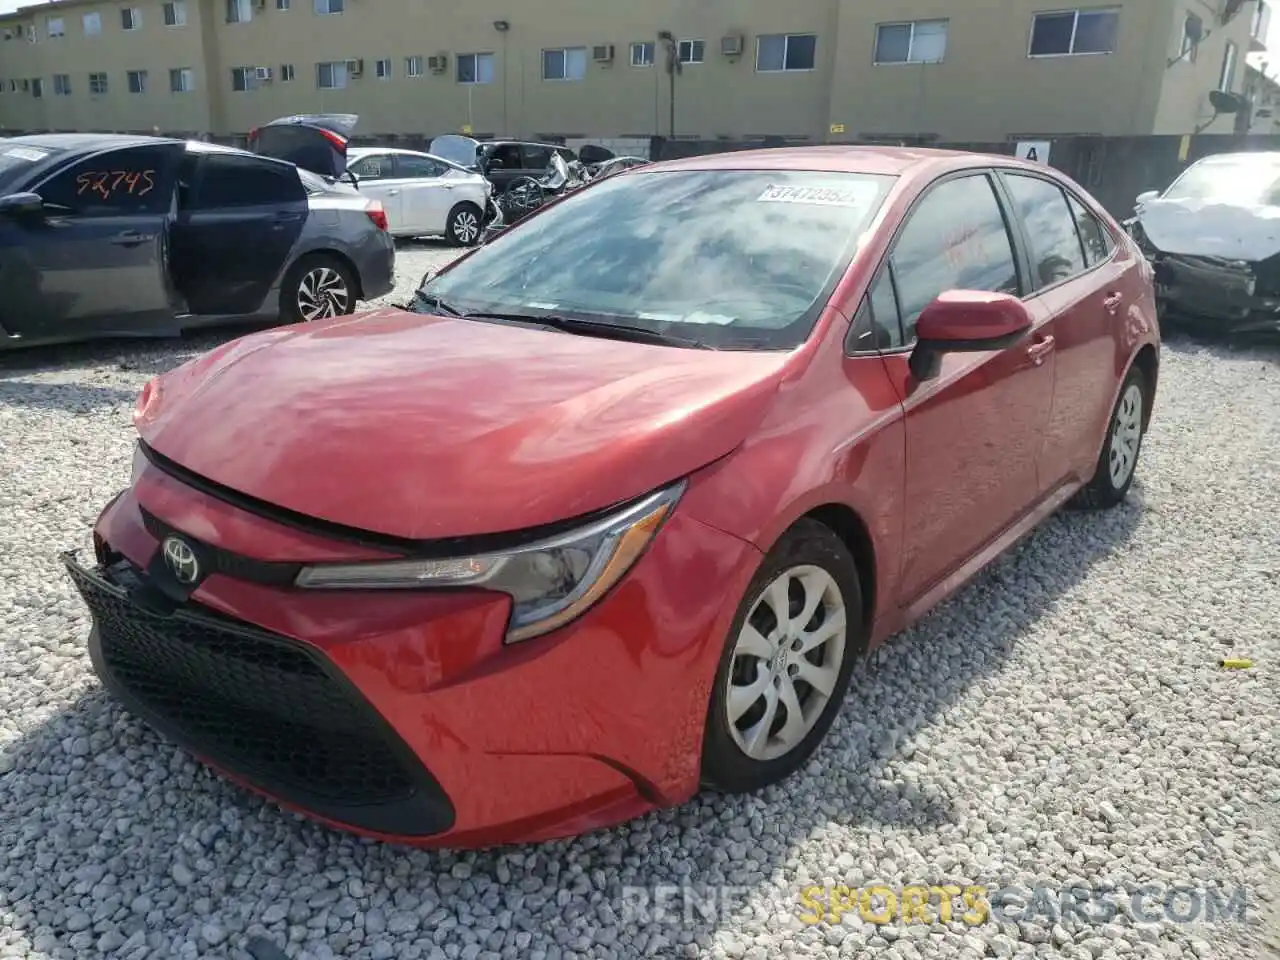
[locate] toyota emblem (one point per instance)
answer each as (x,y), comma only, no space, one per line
(181,560)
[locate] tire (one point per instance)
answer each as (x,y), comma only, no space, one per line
(332,279)
(465,224)
(1123,444)
(809,557)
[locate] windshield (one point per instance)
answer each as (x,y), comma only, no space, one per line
(734,259)
(16,159)
(1248,180)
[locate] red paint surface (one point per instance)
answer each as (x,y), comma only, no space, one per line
(428,427)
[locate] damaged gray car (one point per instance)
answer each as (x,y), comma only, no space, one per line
(1213,238)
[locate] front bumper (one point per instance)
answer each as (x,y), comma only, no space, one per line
(402,715)
(1215,296)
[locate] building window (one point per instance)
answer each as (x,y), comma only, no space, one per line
(286,73)
(182,80)
(130,18)
(241,78)
(565,63)
(1192,31)
(692,51)
(175,13)
(282,4)
(382,69)
(92,24)
(137,81)
(37,87)
(328,6)
(54,28)
(1228,77)
(476,67)
(332,75)
(642,54)
(413,66)
(61,85)
(924,41)
(98,83)
(778,52)
(1074,32)
(239,11)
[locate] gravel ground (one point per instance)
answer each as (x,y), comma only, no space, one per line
(1063,721)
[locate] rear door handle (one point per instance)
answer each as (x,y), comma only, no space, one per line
(131,238)
(1038,351)
(288,217)
(1112,302)
(392,193)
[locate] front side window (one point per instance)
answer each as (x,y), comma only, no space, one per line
(955,238)
(407,165)
(113,183)
(566,63)
(737,259)
(921,41)
(778,52)
(1074,32)
(1055,249)
(235,181)
(375,166)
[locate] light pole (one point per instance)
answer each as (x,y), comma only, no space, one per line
(502,26)
(673,68)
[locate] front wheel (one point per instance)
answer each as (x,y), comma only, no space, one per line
(786,666)
(1119,459)
(318,287)
(463,227)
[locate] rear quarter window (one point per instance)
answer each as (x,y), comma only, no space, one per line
(236,181)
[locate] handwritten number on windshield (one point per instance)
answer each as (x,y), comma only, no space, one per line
(109,183)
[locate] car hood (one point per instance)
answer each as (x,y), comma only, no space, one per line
(1231,231)
(427,427)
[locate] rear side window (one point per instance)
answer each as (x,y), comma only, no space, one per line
(133,180)
(235,181)
(508,154)
(955,238)
(1096,239)
(535,158)
(1056,254)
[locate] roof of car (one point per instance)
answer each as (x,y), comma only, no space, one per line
(891,161)
(86,141)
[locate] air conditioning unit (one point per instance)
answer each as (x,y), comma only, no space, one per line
(731,45)
(439,63)
(602,53)
(262,73)
(355,68)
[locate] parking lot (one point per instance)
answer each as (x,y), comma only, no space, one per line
(1063,722)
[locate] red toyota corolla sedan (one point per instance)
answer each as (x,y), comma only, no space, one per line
(610,513)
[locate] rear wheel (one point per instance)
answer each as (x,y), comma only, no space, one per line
(319,286)
(1119,459)
(786,666)
(463,227)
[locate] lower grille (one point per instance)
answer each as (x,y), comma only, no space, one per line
(260,705)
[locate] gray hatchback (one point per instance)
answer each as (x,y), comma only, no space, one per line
(112,235)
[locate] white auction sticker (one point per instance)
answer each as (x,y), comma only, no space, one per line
(844,196)
(26,153)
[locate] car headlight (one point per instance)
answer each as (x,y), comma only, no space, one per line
(550,582)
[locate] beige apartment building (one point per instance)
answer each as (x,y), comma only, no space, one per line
(954,70)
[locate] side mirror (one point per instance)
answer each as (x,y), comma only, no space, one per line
(966,321)
(21,205)
(1145,197)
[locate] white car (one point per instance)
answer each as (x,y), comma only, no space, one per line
(423,195)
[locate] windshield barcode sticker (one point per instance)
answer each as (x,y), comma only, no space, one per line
(25,153)
(824,196)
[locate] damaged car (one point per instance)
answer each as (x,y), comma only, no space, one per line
(1213,239)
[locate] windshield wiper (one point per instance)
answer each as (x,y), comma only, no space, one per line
(598,328)
(431,301)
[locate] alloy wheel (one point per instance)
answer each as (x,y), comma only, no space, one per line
(786,662)
(466,226)
(323,293)
(1126,434)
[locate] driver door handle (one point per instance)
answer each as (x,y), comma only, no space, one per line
(131,238)
(392,193)
(1038,351)
(1112,302)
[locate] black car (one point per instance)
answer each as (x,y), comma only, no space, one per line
(118,235)
(501,161)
